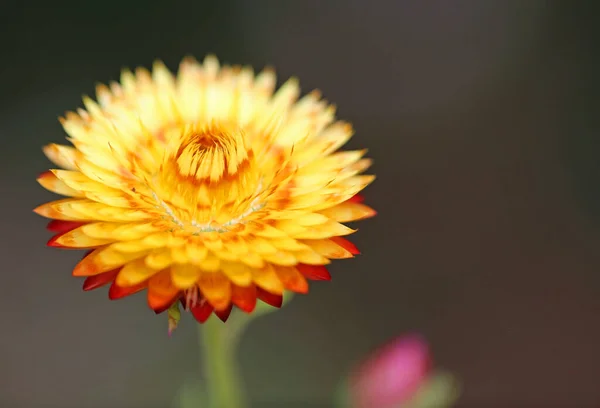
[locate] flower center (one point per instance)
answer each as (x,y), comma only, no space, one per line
(211,154)
(208,179)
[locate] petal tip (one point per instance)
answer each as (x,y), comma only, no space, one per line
(53,242)
(100,280)
(314,272)
(224,314)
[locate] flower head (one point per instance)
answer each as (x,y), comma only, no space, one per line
(392,376)
(206,187)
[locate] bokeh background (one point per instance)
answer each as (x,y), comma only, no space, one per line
(482,119)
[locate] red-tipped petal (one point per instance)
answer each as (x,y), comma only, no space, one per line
(224,314)
(356,199)
(201,311)
(60,226)
(292,279)
(161,291)
(314,272)
(160,310)
(76,239)
(244,297)
(97,281)
(347,245)
(269,298)
(117,292)
(52,241)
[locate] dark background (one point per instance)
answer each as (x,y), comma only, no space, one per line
(482,119)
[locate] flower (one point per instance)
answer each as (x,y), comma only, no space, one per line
(392,376)
(204,187)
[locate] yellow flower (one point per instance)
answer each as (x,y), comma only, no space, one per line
(205,187)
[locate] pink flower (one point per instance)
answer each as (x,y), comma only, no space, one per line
(392,375)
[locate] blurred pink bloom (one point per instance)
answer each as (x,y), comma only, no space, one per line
(392,375)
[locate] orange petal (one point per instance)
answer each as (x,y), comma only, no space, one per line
(201,311)
(164,308)
(267,279)
(347,212)
(347,245)
(244,297)
(60,226)
(326,248)
(269,298)
(97,281)
(118,292)
(292,279)
(216,288)
(314,272)
(161,291)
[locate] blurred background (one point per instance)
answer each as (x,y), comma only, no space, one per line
(482,119)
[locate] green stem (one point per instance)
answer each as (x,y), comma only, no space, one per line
(220,365)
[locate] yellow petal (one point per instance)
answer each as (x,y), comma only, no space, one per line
(346,212)
(291,227)
(196,252)
(51,183)
(329,229)
(237,272)
(267,231)
(92,210)
(163,239)
(210,263)
(104,260)
(281,258)
(253,260)
(236,245)
(288,244)
(80,209)
(318,170)
(328,141)
(78,239)
(328,249)
(159,259)
(310,258)
(63,156)
(267,279)
(62,210)
(179,255)
(118,231)
(214,244)
(184,276)
(261,246)
(134,273)
(227,256)
(79,181)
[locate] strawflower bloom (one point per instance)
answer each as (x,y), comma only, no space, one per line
(206,188)
(391,377)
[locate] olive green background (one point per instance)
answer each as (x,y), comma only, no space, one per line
(482,119)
